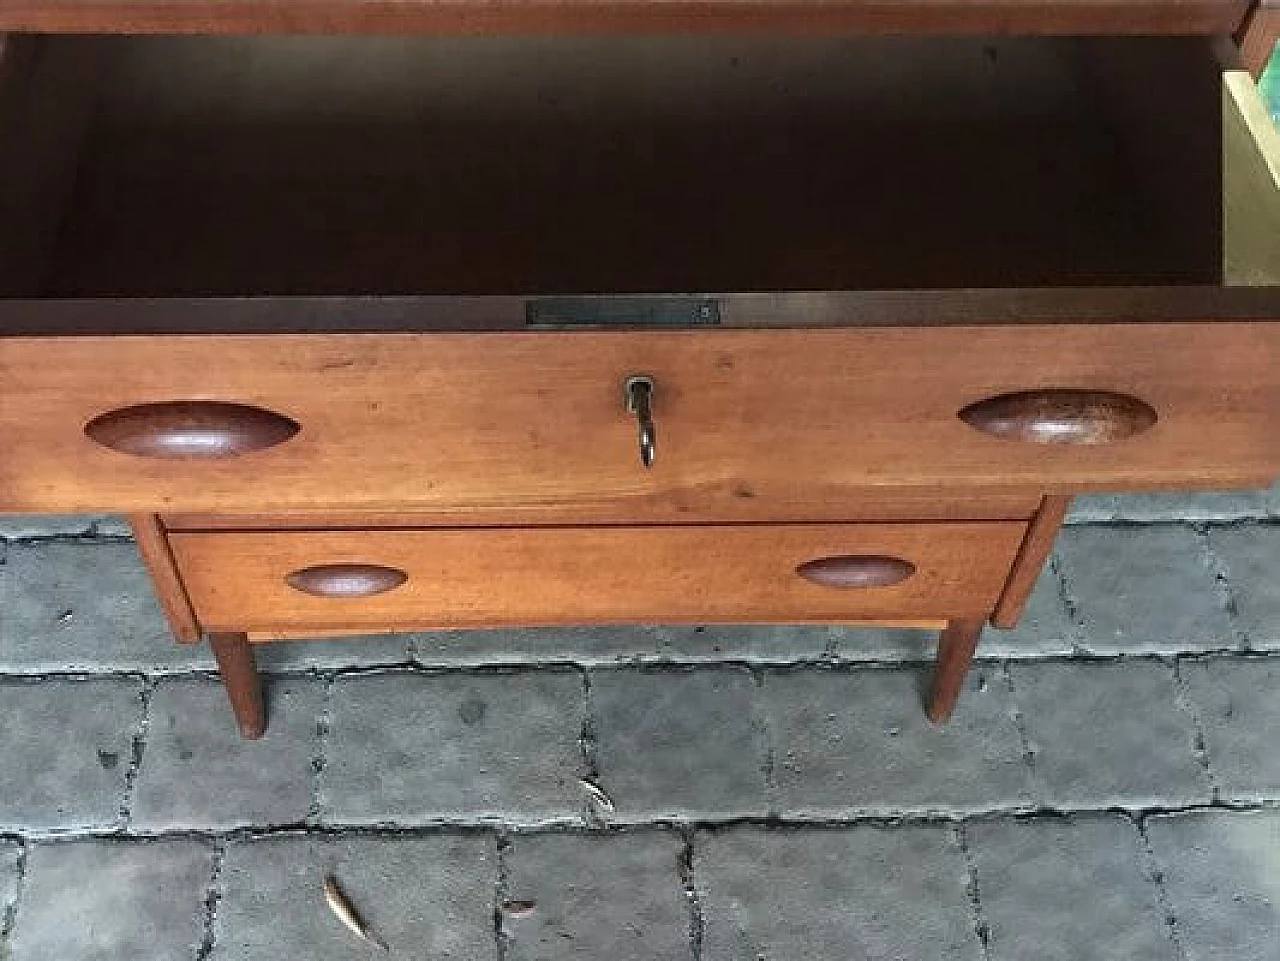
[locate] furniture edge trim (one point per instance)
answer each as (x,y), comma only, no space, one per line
(153,544)
(333,633)
(617,17)
(1041,534)
(1258,37)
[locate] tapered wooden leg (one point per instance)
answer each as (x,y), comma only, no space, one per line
(955,653)
(235,659)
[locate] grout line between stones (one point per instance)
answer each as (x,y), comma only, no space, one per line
(1156,874)
(85,537)
(587,744)
(697,916)
(485,670)
(1066,597)
(1232,520)
(9,920)
(138,747)
(592,813)
(981,926)
(320,759)
(212,900)
(763,728)
(1020,725)
(1222,585)
(1200,748)
(575,825)
(501,892)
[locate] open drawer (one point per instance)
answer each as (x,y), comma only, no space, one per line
(280,273)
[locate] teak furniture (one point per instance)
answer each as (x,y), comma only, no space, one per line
(597,311)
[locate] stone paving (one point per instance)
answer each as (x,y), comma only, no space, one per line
(1109,787)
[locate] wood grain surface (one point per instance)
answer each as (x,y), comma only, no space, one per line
(316,634)
(153,544)
(956,648)
(536,420)
(237,664)
(1258,37)
(525,17)
(866,504)
(1030,564)
(515,577)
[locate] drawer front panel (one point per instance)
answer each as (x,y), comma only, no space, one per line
(262,581)
(775,424)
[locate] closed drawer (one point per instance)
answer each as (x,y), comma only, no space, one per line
(389,580)
(246,274)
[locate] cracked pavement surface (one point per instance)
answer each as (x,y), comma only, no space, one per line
(1108,788)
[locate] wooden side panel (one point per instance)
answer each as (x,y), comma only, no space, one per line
(153,544)
(1041,533)
(754,423)
(1250,185)
(514,577)
(535,17)
(1258,38)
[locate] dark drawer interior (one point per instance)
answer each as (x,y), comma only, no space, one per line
(165,166)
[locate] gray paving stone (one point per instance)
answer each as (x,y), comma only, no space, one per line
(359,650)
(873,893)
(1144,589)
(407,748)
(1067,890)
(85,607)
(679,743)
(580,645)
(1251,556)
(1045,629)
(198,772)
(593,896)
(113,900)
(1219,869)
(63,525)
(766,643)
(67,746)
(1239,711)
(853,645)
(622,644)
(858,742)
(1109,734)
(427,896)
(1183,505)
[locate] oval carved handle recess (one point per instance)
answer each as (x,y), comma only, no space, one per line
(1061,416)
(855,571)
(346,580)
(190,430)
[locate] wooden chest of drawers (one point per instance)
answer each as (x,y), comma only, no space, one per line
(771,319)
